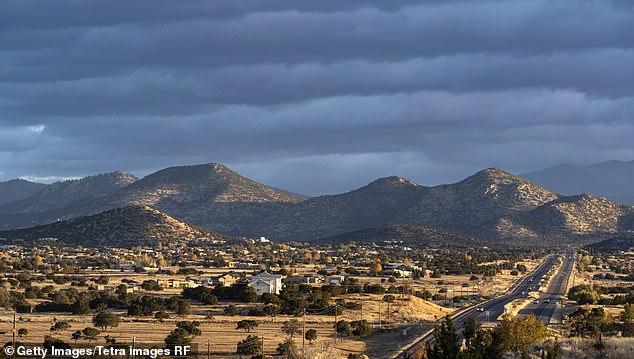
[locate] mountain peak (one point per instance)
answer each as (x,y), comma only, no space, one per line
(505,190)
(204,182)
(392,181)
(120,178)
(497,175)
(194,173)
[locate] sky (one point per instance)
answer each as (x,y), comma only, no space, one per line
(314,96)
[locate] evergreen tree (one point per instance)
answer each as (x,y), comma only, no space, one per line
(447,345)
(251,345)
(469,330)
(627,317)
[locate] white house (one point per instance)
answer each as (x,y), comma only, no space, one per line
(266,283)
(262,286)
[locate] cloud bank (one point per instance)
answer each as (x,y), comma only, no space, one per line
(314,97)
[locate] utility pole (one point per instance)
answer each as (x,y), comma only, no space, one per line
(380,315)
(361,310)
(262,346)
(208,351)
(336,317)
(14,330)
(304,334)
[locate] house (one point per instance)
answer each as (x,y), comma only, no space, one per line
(263,240)
(336,279)
(398,269)
(263,286)
(228,279)
(266,283)
(175,283)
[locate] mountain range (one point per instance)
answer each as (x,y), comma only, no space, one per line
(612,179)
(491,204)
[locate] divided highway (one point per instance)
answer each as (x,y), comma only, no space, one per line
(491,310)
(545,308)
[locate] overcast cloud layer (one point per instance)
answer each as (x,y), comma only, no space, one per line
(314,96)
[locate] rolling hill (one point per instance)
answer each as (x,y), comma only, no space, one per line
(406,234)
(18,189)
(122,227)
(622,242)
(63,194)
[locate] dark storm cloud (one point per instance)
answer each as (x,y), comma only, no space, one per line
(317,96)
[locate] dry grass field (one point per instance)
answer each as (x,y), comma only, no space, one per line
(220,333)
(615,348)
(219,329)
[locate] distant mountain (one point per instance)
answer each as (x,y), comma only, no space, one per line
(406,234)
(62,194)
(375,204)
(491,204)
(18,189)
(622,242)
(475,206)
(612,179)
(121,227)
(209,195)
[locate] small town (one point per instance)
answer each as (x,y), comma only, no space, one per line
(247,298)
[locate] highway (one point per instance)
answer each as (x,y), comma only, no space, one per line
(549,299)
(489,311)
